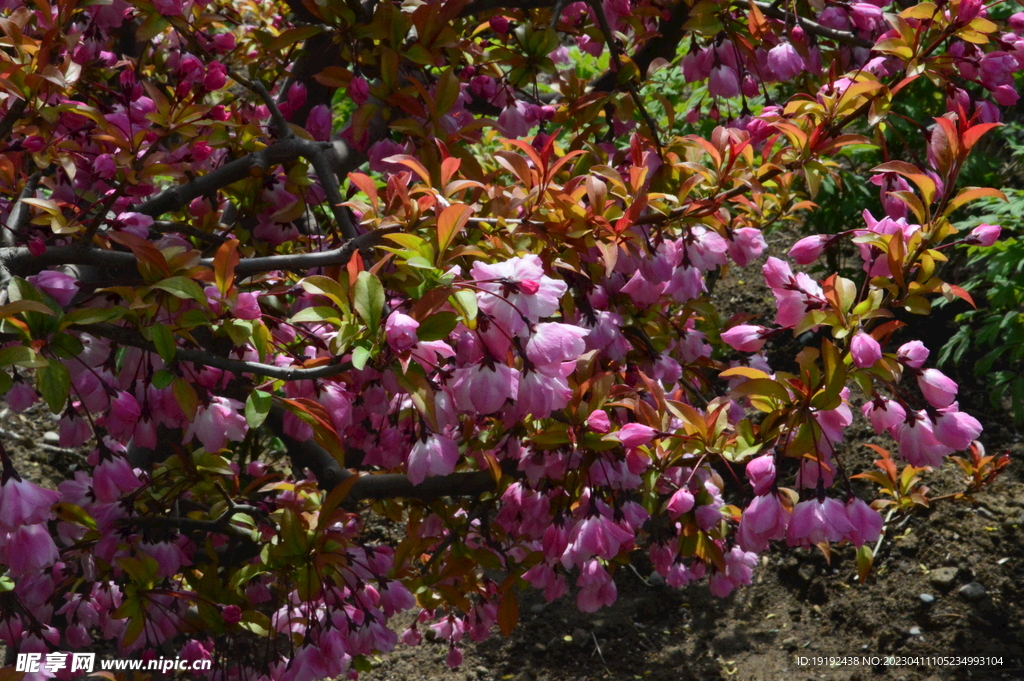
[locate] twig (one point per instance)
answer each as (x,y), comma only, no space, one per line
(597,648)
(613,48)
(881,535)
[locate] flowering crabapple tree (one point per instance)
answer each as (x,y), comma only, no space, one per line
(288,267)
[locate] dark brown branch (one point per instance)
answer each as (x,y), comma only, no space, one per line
(308,454)
(662,46)
(813,27)
(20,212)
(302,262)
(345,160)
(21,262)
(133,339)
(481,6)
(14,112)
(613,48)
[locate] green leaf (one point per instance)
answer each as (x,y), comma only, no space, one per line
(325,286)
(360,356)
(319,313)
(67,346)
(54,383)
(162,379)
(465,302)
(256,622)
(368,298)
(437,326)
(21,355)
(257,406)
(93,315)
(182,287)
(163,339)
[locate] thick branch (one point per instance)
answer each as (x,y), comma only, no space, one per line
(301,262)
(481,6)
(133,339)
(21,262)
(345,160)
(14,112)
(20,212)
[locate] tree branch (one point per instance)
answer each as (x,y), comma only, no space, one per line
(14,112)
(133,339)
(812,27)
(21,262)
(481,6)
(663,45)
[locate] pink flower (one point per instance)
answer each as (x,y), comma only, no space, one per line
(724,82)
(955,428)
(104,166)
(247,307)
(124,414)
(761,473)
(358,91)
(232,614)
(739,566)
(435,455)
(785,62)
(168,554)
(913,354)
(483,390)
(866,522)
(884,414)
(454,658)
(57,285)
(807,250)
(400,331)
(224,42)
(917,442)
(596,587)
(29,549)
(635,435)
(112,478)
(746,337)
(499,24)
(74,430)
(720,585)
(216,423)
(169,8)
(24,503)
(136,223)
(764,519)
(595,535)
(937,388)
(814,522)
(984,235)
(865,350)
(747,244)
(216,77)
(598,421)
(680,503)
(515,288)
(553,343)
(319,123)
(21,396)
